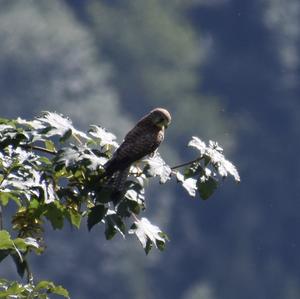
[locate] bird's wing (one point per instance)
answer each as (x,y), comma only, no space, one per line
(135,146)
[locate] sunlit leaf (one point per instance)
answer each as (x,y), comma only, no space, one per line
(147,234)
(224,167)
(156,166)
(34,124)
(198,144)
(31,242)
(59,125)
(189,184)
(213,154)
(105,137)
(94,162)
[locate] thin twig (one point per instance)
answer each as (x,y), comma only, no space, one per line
(186,163)
(135,217)
(38,148)
(29,273)
(77,138)
(1,207)
(1,217)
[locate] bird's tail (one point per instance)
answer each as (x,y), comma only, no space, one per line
(117,185)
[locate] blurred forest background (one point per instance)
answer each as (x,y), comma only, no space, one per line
(227,70)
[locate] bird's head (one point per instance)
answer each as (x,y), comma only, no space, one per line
(160,117)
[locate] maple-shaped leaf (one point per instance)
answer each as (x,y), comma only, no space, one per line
(223,166)
(67,156)
(57,124)
(3,128)
(94,162)
(74,156)
(189,184)
(213,153)
(34,124)
(156,166)
(104,137)
(148,234)
(198,144)
(30,183)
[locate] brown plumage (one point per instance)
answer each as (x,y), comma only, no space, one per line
(139,142)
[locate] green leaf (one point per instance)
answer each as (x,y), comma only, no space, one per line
(110,231)
(55,214)
(104,195)
(66,136)
(148,246)
(45,161)
(74,217)
(135,207)
(49,144)
(96,215)
(44,284)
(3,254)
(52,288)
(14,290)
(207,187)
(59,290)
(192,170)
(20,244)
(5,240)
(113,224)
(21,264)
(5,197)
(135,194)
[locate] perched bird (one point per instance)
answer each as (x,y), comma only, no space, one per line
(142,140)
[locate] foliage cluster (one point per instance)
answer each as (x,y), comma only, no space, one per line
(54,172)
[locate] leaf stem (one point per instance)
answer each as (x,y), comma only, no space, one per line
(186,163)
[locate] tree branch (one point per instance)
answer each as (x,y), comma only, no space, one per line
(186,163)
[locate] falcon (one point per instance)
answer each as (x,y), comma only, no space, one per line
(142,140)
